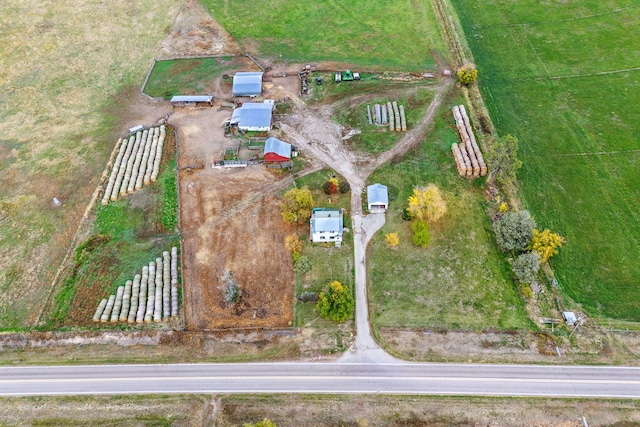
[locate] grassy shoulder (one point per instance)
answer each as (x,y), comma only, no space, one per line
(572,108)
(188,76)
(461,280)
(126,235)
(392,34)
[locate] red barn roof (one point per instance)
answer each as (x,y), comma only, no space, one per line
(276,150)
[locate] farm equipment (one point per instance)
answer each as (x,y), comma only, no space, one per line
(347,76)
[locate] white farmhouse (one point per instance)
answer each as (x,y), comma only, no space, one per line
(326,225)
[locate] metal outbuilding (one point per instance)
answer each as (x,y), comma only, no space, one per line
(253,116)
(377,198)
(276,150)
(180,100)
(247,83)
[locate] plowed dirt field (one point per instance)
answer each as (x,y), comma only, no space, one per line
(230,220)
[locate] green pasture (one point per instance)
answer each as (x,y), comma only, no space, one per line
(376,139)
(188,76)
(400,34)
(563,78)
(460,280)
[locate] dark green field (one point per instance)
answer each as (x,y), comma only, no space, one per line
(188,76)
(564,78)
(394,33)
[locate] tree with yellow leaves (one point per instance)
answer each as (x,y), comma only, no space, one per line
(392,239)
(545,243)
(467,74)
(427,203)
(293,243)
(297,205)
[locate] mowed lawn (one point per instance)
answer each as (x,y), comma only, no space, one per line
(188,76)
(563,78)
(68,72)
(460,280)
(393,33)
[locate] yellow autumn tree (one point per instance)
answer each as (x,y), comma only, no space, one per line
(545,243)
(427,204)
(293,243)
(297,205)
(392,239)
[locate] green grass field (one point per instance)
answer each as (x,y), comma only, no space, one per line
(188,76)
(376,139)
(460,280)
(395,33)
(563,78)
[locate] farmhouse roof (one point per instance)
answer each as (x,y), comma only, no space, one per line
(326,220)
(247,83)
(253,115)
(377,193)
(192,98)
(281,148)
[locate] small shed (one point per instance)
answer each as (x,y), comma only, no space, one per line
(276,150)
(247,83)
(253,116)
(377,198)
(326,225)
(184,100)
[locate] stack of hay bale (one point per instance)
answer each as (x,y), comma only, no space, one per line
(137,163)
(397,118)
(151,295)
(467,154)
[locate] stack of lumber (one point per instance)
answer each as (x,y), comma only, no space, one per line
(467,154)
(137,163)
(150,296)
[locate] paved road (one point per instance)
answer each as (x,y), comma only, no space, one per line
(406,378)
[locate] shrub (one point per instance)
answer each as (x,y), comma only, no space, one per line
(421,235)
(335,302)
(392,239)
(406,215)
(514,231)
(467,74)
(331,186)
(303,265)
(526,266)
(545,243)
(232,293)
(526,291)
(344,187)
(308,297)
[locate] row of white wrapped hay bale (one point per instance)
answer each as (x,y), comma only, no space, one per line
(467,154)
(397,119)
(152,295)
(137,163)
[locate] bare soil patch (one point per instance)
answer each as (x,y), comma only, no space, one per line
(195,33)
(230,220)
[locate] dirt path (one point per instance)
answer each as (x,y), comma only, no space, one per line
(316,135)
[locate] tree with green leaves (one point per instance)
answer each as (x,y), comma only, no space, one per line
(297,205)
(525,267)
(421,235)
(335,302)
(501,156)
(514,231)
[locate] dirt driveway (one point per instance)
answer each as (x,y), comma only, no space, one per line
(230,220)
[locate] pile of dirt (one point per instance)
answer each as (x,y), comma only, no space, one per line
(196,33)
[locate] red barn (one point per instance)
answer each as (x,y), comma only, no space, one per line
(276,150)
